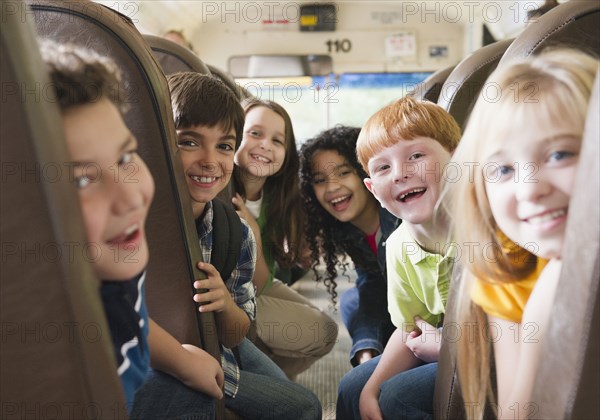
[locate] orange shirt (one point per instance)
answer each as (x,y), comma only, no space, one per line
(506,300)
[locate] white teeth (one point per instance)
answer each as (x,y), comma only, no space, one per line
(339,199)
(203,179)
(130,229)
(416,190)
(261,159)
(546,217)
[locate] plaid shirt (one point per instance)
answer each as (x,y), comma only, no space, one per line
(239,284)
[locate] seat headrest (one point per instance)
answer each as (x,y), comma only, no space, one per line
(574,24)
(461,88)
(174,58)
(430,88)
(228,80)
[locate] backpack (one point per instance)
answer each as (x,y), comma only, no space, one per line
(227,238)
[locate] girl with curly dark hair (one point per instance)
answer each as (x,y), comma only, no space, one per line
(346,218)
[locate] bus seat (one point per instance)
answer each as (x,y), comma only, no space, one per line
(447,400)
(574,24)
(461,88)
(174,246)
(56,357)
(174,58)
(228,80)
(430,88)
(568,381)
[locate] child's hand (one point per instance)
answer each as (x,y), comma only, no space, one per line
(217,298)
(368,404)
(203,372)
(425,341)
(242,210)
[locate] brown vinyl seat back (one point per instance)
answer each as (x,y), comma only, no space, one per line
(568,380)
(56,355)
(174,58)
(458,95)
(228,80)
(430,88)
(462,87)
(171,233)
(574,24)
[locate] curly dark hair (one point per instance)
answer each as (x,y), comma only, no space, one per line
(321,231)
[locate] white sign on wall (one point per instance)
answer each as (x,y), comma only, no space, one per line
(401,44)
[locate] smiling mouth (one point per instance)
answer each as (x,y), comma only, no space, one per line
(412,194)
(546,217)
(129,235)
(203,179)
(259,158)
(340,202)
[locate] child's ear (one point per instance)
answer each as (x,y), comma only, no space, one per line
(369,185)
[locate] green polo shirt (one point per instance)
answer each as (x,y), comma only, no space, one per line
(418,281)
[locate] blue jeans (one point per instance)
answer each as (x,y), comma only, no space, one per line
(367,321)
(162,396)
(408,395)
(265,392)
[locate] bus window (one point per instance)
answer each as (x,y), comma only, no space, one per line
(320,102)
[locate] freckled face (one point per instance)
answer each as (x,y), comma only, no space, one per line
(406,178)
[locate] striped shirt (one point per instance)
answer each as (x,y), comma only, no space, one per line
(127,316)
(239,284)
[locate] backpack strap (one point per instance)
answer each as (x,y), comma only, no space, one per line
(227,238)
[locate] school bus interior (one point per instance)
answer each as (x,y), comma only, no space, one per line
(53,354)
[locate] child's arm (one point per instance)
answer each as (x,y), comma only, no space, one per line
(232,322)
(261,271)
(517,352)
(189,364)
(396,358)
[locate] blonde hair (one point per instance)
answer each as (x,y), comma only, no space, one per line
(406,119)
(554,85)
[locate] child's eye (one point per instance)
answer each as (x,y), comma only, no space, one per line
(278,141)
(82,181)
(502,171)
(126,158)
(417,155)
(186,143)
(560,155)
(344,173)
(254,133)
(382,168)
(318,180)
(226,147)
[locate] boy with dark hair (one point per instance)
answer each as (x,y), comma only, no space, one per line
(114,206)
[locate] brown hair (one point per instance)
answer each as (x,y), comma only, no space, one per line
(200,99)
(80,76)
